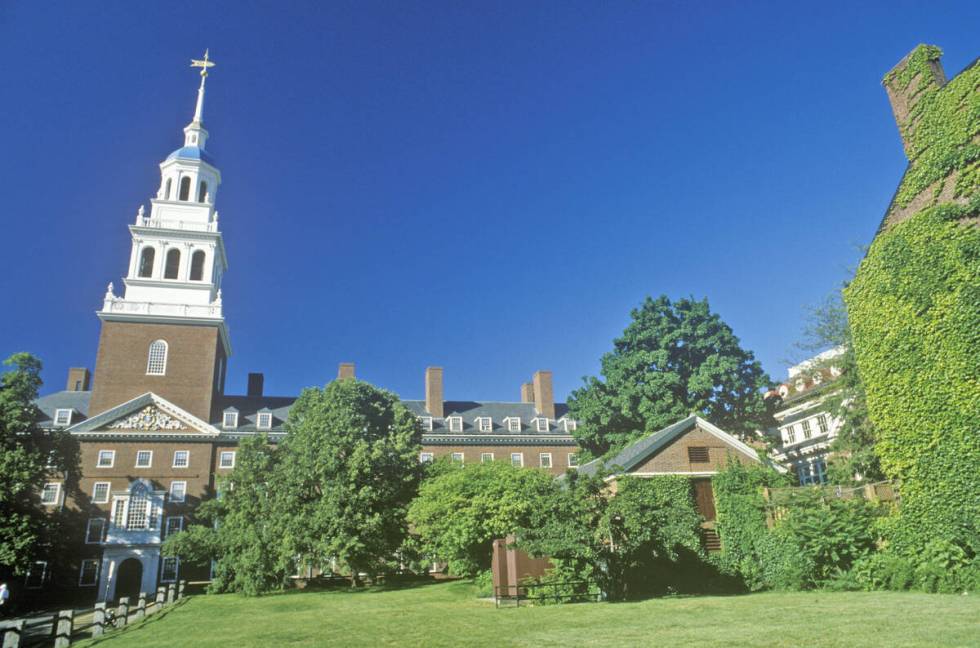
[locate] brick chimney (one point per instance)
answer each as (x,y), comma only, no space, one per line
(905,93)
(527,392)
(345,370)
(256,382)
(78,379)
(433,391)
(544,394)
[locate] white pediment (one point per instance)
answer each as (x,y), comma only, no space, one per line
(148,419)
(148,414)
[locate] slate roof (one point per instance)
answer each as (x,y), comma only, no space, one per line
(74,400)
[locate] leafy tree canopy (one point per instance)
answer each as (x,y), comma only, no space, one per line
(672,360)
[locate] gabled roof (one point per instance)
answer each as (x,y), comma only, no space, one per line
(146,415)
(73,400)
(637,452)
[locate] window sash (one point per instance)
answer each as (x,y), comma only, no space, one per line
(230,420)
(51,493)
(544,460)
(572,460)
(90,568)
(36,574)
(100,492)
(226,459)
(175,524)
(517,459)
(264,421)
(144,458)
(455,424)
(106,459)
(182,458)
(178,491)
(94,530)
(514,424)
(169,570)
(425,457)
(486,457)
(62,417)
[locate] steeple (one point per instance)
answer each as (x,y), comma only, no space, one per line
(194,133)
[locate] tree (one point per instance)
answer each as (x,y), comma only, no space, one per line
(348,470)
(672,360)
(22,463)
(461,510)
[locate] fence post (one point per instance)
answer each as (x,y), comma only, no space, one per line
(122,613)
(98,620)
(141,606)
(62,637)
(180,589)
(170,594)
(12,634)
(161,595)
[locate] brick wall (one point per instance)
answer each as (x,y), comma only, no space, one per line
(472,454)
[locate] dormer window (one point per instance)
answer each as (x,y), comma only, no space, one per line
(62,417)
(513,423)
(569,425)
(541,424)
(455,423)
(426,423)
(484,424)
(264,420)
(230,419)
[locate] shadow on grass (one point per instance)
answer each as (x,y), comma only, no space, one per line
(135,627)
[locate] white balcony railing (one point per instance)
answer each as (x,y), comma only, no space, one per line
(117,305)
(162,223)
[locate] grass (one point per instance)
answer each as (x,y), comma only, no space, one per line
(448,614)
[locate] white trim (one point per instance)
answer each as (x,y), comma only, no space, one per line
(450,420)
(163,570)
(538,420)
(568,460)
(259,424)
(62,411)
(170,491)
(166,524)
(30,570)
(81,572)
(57,493)
(569,425)
(511,420)
(157,366)
(149,464)
(541,456)
(426,423)
(486,457)
(458,456)
(221,459)
(727,438)
(234,420)
(108,492)
(112,459)
(187,464)
(481,420)
(519,455)
(425,457)
(88,530)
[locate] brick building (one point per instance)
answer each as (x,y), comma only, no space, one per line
(154,428)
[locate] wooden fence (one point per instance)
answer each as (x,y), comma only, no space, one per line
(60,629)
(777,499)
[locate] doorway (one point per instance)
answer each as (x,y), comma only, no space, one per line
(129,579)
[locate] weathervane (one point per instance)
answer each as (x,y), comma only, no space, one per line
(203,64)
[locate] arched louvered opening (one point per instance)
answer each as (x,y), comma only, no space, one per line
(202,192)
(146,262)
(185,188)
(170,184)
(197,265)
(173,264)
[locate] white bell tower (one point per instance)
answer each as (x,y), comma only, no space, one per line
(178,257)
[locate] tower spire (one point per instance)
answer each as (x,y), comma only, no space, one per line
(204,64)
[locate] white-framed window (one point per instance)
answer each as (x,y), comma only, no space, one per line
(51,494)
(175,524)
(230,420)
(178,491)
(457,457)
(156,362)
(168,569)
(484,424)
(138,511)
(544,460)
(425,457)
(822,424)
(517,459)
(569,425)
(455,423)
(812,473)
(226,459)
(95,530)
(62,417)
(106,459)
(807,432)
(37,574)
(144,458)
(790,434)
(182,458)
(572,460)
(513,423)
(264,421)
(541,424)
(100,492)
(426,423)
(486,457)
(88,575)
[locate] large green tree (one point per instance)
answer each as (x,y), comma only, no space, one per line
(348,470)
(22,463)
(674,359)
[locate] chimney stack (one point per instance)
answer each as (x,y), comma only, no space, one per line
(433,392)
(78,379)
(905,91)
(527,392)
(544,394)
(345,371)
(256,382)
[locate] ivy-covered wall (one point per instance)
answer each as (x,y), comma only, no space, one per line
(914,310)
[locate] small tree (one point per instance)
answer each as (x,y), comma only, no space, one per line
(673,359)
(348,471)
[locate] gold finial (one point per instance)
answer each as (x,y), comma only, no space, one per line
(203,64)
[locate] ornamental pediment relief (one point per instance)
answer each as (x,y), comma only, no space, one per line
(149,419)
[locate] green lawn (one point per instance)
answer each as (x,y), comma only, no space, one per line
(448,615)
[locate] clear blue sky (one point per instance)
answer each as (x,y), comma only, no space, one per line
(484,186)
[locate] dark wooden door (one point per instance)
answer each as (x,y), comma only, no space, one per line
(704,499)
(129,579)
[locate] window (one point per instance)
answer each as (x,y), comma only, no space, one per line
(807,432)
(178,491)
(544,460)
(182,458)
(106,459)
(175,524)
(137,514)
(226,459)
(185,188)
(817,378)
(202,191)
(230,420)
(146,262)
(62,417)
(426,422)
(168,571)
(513,424)
(790,434)
(697,454)
(812,473)
(119,512)
(172,267)
(100,493)
(572,460)
(170,184)
(799,385)
(425,457)
(144,458)
(822,423)
(486,457)
(541,424)
(264,421)
(50,494)
(569,425)
(485,424)
(455,423)
(197,265)
(94,530)
(457,457)
(88,575)
(517,459)
(37,573)
(156,361)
